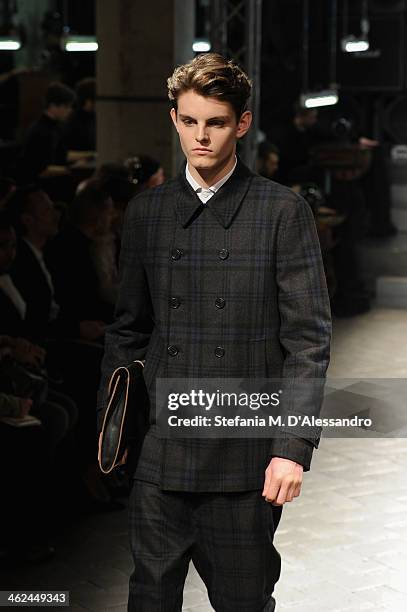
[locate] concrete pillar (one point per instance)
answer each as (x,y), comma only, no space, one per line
(139,45)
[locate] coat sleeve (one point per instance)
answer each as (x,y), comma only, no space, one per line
(127,338)
(305,325)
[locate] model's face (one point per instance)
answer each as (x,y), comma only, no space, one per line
(208,130)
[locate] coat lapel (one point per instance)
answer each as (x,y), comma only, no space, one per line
(223,205)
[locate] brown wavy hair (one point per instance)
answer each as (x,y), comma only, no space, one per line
(211,75)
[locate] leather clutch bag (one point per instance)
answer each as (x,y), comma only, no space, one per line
(126,419)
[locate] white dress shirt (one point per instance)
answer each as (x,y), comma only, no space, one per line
(203,193)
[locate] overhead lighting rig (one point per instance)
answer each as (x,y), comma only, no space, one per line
(328,96)
(356,44)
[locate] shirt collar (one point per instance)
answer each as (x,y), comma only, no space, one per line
(224,204)
(214,188)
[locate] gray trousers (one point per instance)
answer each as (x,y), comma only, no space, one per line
(228,536)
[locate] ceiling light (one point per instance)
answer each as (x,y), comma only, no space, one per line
(79,43)
(201,46)
(8,43)
(327,97)
(351,44)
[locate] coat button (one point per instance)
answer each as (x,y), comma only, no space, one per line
(172,350)
(220,303)
(174,302)
(219,351)
(223,254)
(176,254)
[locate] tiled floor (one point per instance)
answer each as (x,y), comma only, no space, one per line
(343,541)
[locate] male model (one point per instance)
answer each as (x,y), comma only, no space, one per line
(221,276)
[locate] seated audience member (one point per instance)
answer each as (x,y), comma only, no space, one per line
(57,412)
(268,157)
(81,126)
(110,171)
(12,323)
(122,182)
(36,220)
(117,181)
(71,258)
(44,151)
(145,171)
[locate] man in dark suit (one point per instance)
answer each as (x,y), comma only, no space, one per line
(36,220)
(221,276)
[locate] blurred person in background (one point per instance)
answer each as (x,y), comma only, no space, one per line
(44,149)
(81,259)
(123,181)
(145,171)
(268,159)
(81,126)
(71,260)
(27,364)
(36,221)
(295,139)
(116,179)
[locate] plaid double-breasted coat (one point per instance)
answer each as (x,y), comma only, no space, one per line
(232,288)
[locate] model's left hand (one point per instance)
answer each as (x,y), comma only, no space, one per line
(283,479)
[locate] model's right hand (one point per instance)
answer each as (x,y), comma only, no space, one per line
(282,482)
